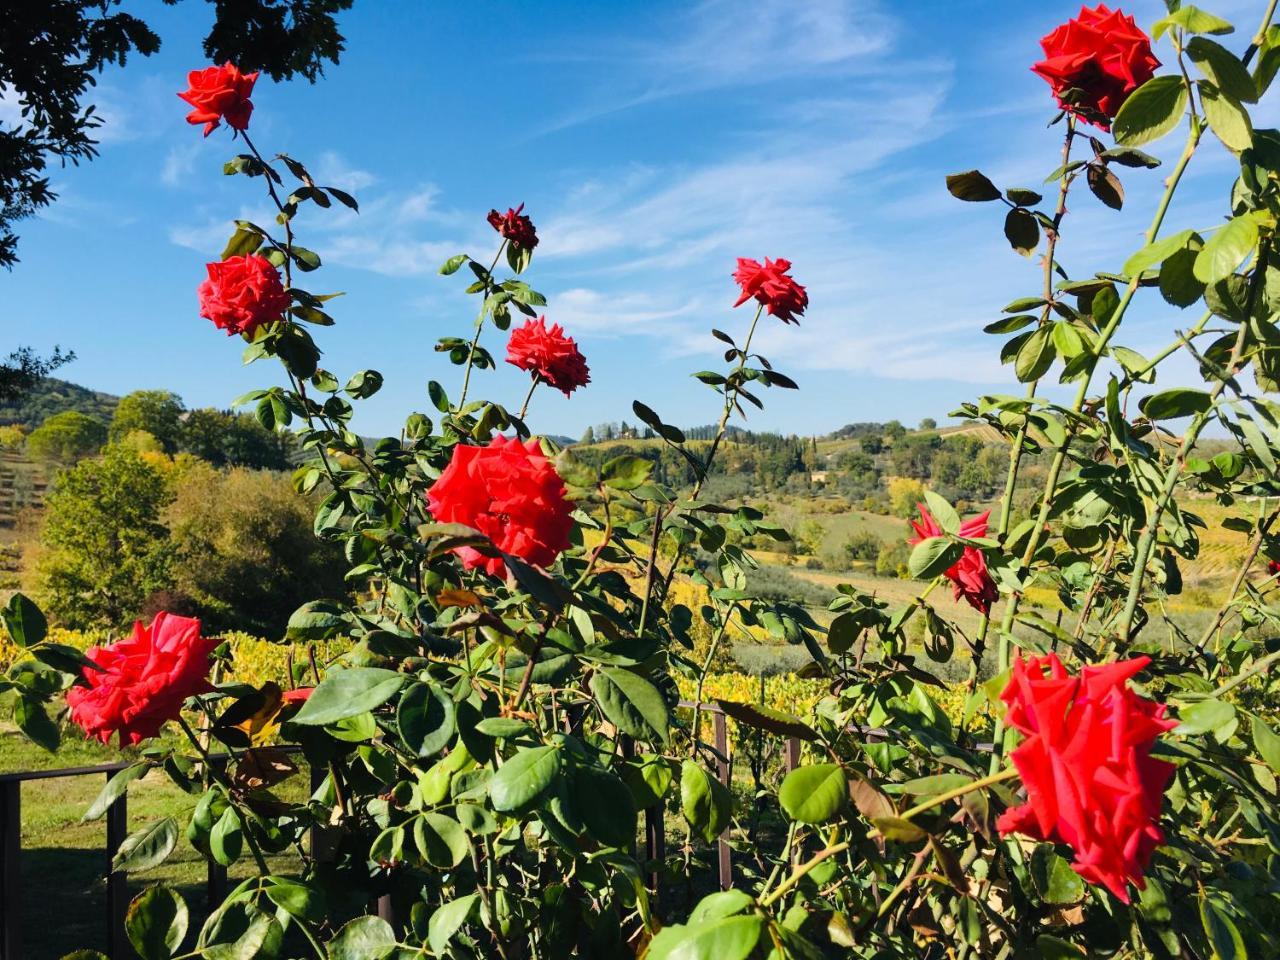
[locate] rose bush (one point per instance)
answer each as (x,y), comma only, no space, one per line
(502,710)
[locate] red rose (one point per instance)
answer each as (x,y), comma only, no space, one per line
(515,226)
(242,294)
(1273,567)
(771,285)
(220,93)
(144,679)
(1087,767)
(551,355)
(511,493)
(1103,57)
(299,695)
(968,575)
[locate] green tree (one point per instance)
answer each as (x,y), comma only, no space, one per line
(52,50)
(589,435)
(157,412)
(67,437)
(244,549)
(904,494)
(105,548)
(230,439)
(928,423)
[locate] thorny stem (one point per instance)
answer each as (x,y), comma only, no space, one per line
(1019,442)
(702,677)
(217,775)
(524,407)
(475,340)
(1082,391)
(661,516)
(1142,552)
(1007,774)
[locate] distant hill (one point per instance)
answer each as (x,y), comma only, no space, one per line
(52,396)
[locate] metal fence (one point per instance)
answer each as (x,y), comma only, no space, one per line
(117,829)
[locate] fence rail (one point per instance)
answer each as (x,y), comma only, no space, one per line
(117,829)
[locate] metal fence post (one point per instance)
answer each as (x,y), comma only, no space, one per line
(723,768)
(117,880)
(10,878)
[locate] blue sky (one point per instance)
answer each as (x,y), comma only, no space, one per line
(652,144)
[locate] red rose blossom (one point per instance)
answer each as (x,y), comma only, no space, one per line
(511,493)
(1087,767)
(1103,56)
(968,575)
(242,293)
(772,286)
(298,695)
(1273,567)
(143,679)
(551,355)
(515,226)
(220,93)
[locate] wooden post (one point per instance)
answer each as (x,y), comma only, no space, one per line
(792,756)
(724,769)
(117,880)
(10,876)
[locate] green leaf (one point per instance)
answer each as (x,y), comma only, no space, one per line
(1175,403)
(1035,356)
(895,828)
(648,777)
(364,938)
(1268,743)
(1204,716)
(1192,20)
(1055,881)
(1226,248)
(1105,185)
(156,923)
(115,788)
(972,185)
(814,794)
(606,807)
(503,728)
(24,621)
(1010,324)
(453,264)
(1158,252)
(441,840)
(30,717)
(626,472)
(730,938)
(1227,118)
(1023,197)
(297,899)
(227,838)
(1022,231)
(1151,111)
(1224,938)
(1223,68)
(448,920)
(632,704)
(524,778)
(767,718)
(933,556)
(426,719)
(347,693)
(943,512)
(705,802)
(716,906)
(316,620)
(148,847)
